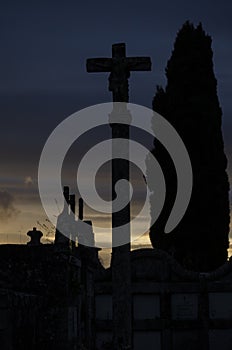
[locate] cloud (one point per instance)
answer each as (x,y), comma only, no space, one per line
(28,180)
(7,207)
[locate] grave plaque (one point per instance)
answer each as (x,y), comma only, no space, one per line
(3,318)
(188,340)
(103,340)
(220,305)
(146,307)
(103,304)
(147,340)
(220,339)
(184,306)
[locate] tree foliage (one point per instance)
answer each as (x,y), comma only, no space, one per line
(190,103)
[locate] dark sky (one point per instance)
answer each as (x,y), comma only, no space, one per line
(44,45)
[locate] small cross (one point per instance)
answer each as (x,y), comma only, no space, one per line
(119,67)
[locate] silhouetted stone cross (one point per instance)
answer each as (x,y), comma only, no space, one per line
(119,67)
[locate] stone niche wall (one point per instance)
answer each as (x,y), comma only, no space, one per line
(18,312)
(172,308)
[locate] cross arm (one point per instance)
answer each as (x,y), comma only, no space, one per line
(99,65)
(139,63)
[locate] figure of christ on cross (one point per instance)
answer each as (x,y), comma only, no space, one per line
(120,67)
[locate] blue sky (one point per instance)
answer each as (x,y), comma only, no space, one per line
(44,46)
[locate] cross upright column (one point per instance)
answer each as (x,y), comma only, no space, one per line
(120,67)
(120,262)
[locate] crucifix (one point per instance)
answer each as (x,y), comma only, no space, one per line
(119,67)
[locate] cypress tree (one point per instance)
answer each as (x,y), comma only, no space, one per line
(190,103)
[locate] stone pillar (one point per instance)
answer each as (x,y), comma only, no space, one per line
(121,272)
